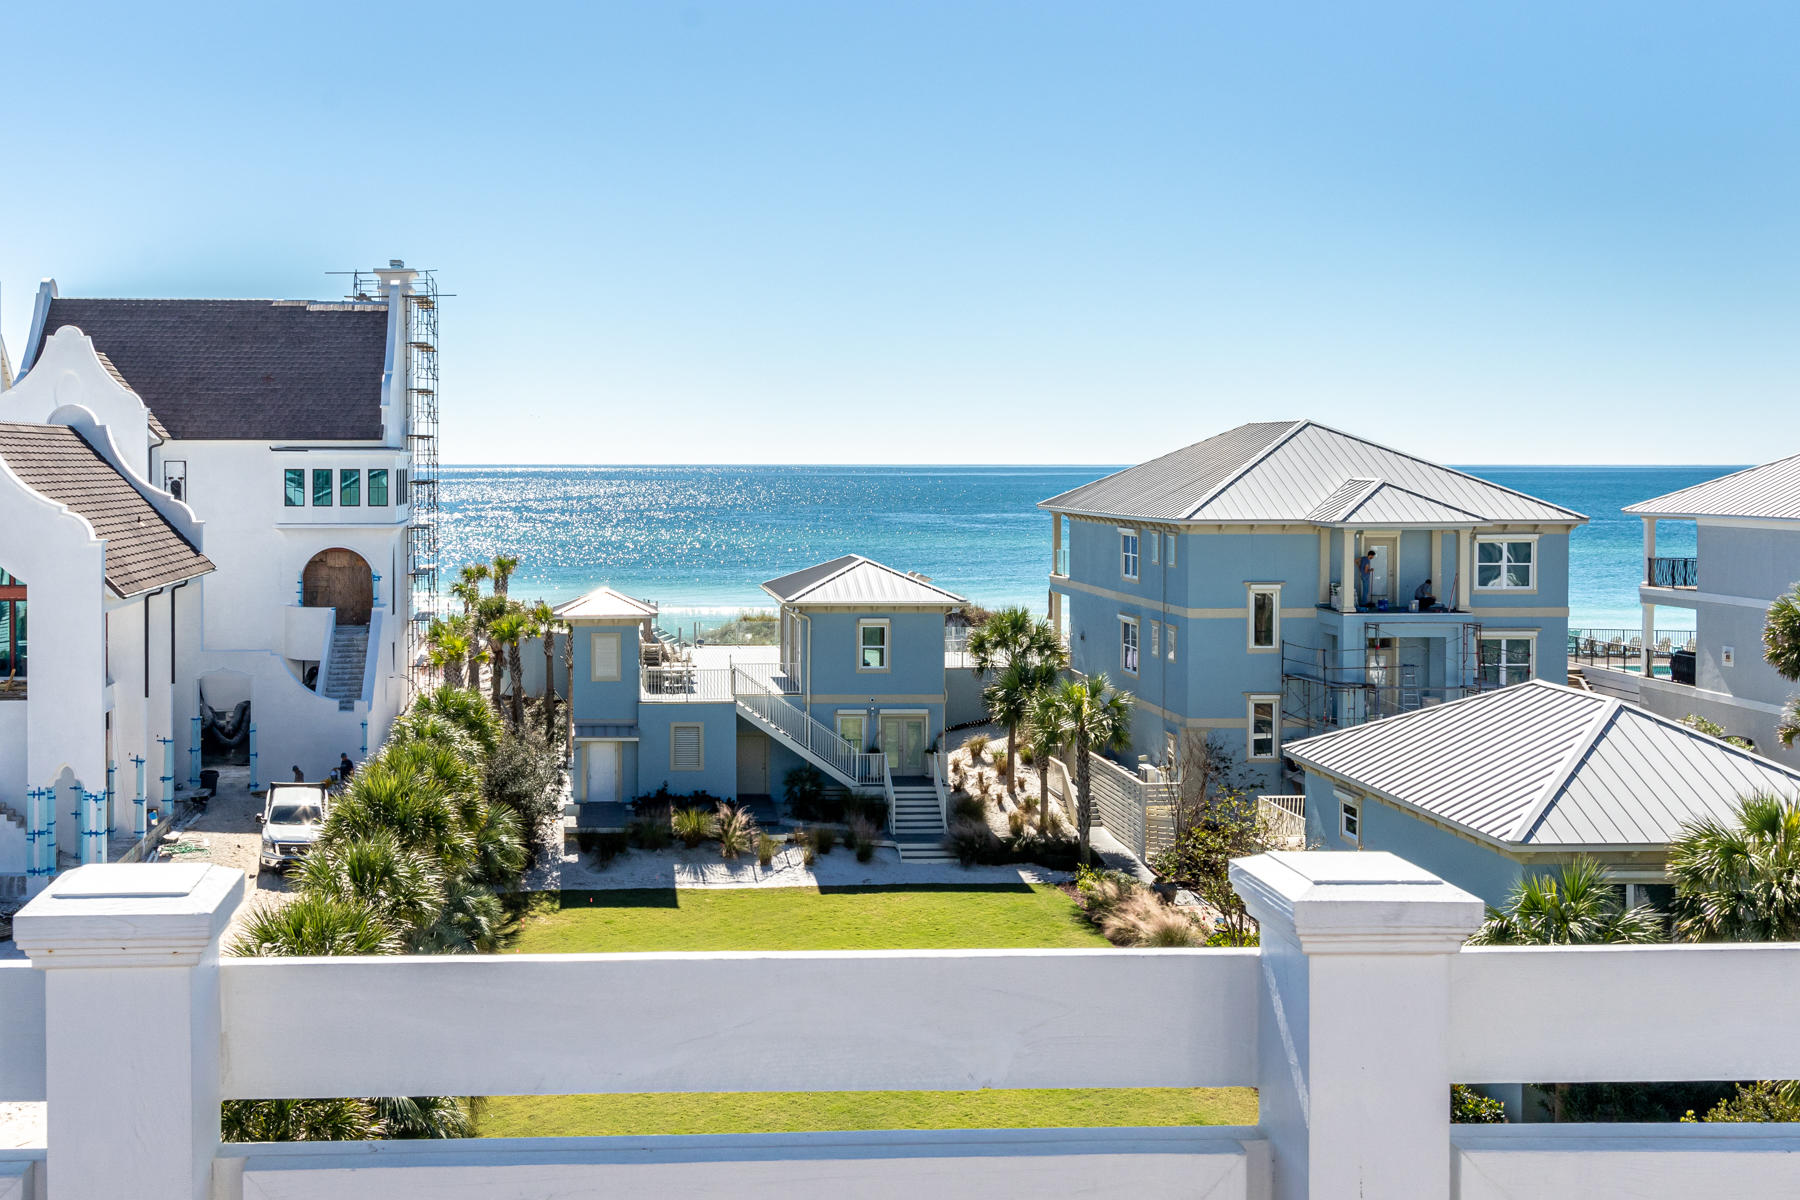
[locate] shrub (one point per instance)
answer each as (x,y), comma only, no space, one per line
(1100,890)
(862,839)
(652,830)
(1225,935)
(873,809)
(803,838)
(978,746)
(1002,762)
(824,838)
(803,788)
(1142,919)
(965,808)
(1470,1107)
(1026,756)
(693,826)
(736,828)
(766,848)
(662,799)
(604,846)
(525,775)
(974,844)
(1015,822)
(1056,853)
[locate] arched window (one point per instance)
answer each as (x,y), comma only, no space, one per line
(12,634)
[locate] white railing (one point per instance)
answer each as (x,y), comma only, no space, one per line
(694,685)
(940,769)
(1352,1018)
(1283,819)
(956,648)
(805,732)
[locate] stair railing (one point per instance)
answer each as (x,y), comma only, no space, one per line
(802,729)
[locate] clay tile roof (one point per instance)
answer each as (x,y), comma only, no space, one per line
(143,551)
(255,370)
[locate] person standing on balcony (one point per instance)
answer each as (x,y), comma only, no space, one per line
(1365,574)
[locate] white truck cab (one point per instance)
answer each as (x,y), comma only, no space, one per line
(292,819)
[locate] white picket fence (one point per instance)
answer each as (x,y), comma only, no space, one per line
(1352,1019)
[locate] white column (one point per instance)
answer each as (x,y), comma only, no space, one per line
(1347,574)
(1648,656)
(1465,568)
(133,1104)
(1438,581)
(1353,1031)
(1324,566)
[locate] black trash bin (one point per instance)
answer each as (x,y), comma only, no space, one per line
(1681,666)
(209,779)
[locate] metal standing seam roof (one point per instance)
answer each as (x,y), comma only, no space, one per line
(260,370)
(1771,492)
(860,582)
(1287,472)
(605,604)
(1540,764)
(143,551)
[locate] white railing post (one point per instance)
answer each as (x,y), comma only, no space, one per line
(131,997)
(1353,1041)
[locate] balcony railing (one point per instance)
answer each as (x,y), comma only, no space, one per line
(1364,1011)
(680,682)
(1060,562)
(1672,572)
(1623,649)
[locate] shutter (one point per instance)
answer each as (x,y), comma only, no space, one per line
(684,748)
(604,650)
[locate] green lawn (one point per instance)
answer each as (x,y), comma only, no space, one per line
(915,918)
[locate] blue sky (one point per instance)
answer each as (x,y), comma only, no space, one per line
(1036,232)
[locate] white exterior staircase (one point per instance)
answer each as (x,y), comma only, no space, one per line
(344,671)
(807,736)
(916,820)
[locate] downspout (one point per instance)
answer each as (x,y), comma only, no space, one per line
(1162,668)
(172,592)
(806,667)
(159,591)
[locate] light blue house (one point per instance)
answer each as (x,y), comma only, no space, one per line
(856,687)
(1489,788)
(1285,578)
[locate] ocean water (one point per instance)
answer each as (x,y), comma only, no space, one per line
(700,540)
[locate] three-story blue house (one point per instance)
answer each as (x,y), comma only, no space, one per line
(1285,578)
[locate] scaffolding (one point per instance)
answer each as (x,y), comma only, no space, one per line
(1321,692)
(419,486)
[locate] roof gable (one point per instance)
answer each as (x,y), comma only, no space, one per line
(1770,492)
(143,551)
(259,370)
(858,582)
(605,604)
(1300,472)
(1541,764)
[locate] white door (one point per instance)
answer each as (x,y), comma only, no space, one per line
(602,772)
(1381,570)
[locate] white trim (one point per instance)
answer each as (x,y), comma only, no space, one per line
(887,645)
(1155,639)
(618,657)
(1134,556)
(1490,634)
(1349,816)
(1174,548)
(1169,648)
(699,729)
(1273,700)
(1251,592)
(857,714)
(1504,539)
(1137,645)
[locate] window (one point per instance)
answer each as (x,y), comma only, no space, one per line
(1155,542)
(294,487)
(1169,558)
(1128,645)
(871,645)
(1128,553)
(350,488)
(378,487)
(854,729)
(12,634)
(1265,616)
(322,487)
(1265,731)
(403,496)
(1506,659)
(687,747)
(603,657)
(1350,818)
(175,478)
(1506,563)
(1155,639)
(1171,630)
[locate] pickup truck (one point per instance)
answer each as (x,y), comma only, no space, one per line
(292,818)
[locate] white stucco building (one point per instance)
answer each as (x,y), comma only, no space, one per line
(277,442)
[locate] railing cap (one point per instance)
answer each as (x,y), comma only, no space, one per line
(129,915)
(1343,902)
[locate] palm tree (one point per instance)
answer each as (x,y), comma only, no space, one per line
(464,709)
(487,614)
(507,631)
(1781,647)
(544,617)
(1739,880)
(1579,909)
(449,647)
(424,1116)
(315,925)
(504,566)
(1089,716)
(468,590)
(402,886)
(345,1120)
(1044,736)
(1023,655)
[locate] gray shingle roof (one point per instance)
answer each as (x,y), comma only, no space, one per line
(1289,471)
(143,551)
(260,370)
(1771,491)
(1541,764)
(859,582)
(150,418)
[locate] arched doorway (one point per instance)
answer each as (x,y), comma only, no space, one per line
(339,579)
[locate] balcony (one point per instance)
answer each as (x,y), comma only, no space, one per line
(1059,565)
(1363,1043)
(1672,572)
